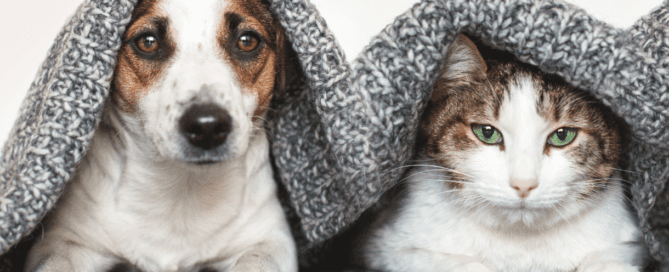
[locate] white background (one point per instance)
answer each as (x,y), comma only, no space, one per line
(28,28)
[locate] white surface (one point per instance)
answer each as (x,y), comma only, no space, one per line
(29,27)
(355,22)
(28,30)
(619,13)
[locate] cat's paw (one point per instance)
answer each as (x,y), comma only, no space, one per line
(608,267)
(472,267)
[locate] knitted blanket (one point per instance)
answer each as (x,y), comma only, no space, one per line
(340,139)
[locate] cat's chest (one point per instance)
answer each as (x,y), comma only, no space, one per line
(549,252)
(429,221)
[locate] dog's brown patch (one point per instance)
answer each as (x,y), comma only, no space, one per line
(136,71)
(262,70)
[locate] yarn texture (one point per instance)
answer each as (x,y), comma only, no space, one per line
(343,137)
(58,116)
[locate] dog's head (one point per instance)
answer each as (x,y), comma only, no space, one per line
(194,78)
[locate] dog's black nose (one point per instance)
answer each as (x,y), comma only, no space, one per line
(206,126)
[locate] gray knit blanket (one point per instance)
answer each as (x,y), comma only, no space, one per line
(340,139)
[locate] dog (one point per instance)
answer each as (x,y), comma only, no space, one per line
(178,175)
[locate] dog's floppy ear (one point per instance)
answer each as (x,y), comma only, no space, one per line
(281,59)
(287,63)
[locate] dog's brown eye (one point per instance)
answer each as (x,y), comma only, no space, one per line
(247,43)
(147,44)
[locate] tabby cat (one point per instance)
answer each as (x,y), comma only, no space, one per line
(516,171)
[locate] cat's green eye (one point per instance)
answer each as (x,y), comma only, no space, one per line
(487,134)
(562,137)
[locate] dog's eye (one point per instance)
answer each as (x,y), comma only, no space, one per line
(247,43)
(147,44)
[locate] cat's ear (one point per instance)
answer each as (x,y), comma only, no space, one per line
(463,61)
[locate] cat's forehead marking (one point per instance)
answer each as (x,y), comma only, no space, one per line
(518,114)
(552,99)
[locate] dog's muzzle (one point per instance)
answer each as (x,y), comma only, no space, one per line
(205,126)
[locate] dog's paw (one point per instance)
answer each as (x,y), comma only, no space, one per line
(55,263)
(255,262)
(472,267)
(608,267)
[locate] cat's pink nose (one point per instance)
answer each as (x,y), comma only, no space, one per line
(524,186)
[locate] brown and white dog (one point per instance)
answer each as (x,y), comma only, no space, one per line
(178,176)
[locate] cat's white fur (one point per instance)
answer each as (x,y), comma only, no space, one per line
(487,226)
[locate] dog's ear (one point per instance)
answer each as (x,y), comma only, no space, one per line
(287,64)
(280,81)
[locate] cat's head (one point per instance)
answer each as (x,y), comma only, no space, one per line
(524,147)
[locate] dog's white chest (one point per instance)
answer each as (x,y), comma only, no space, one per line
(174,218)
(212,218)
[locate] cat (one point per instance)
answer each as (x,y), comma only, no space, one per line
(515,171)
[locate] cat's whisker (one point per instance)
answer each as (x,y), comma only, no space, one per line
(626,171)
(409,166)
(448,191)
(591,182)
(461,181)
(438,170)
(587,187)
(424,160)
(398,194)
(556,209)
(402,180)
(629,200)
(471,204)
(443,169)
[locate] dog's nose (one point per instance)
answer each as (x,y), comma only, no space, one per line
(206,126)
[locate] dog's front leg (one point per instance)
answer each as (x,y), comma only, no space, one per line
(266,257)
(59,254)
